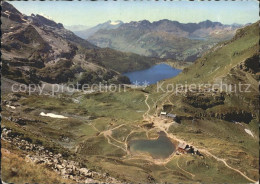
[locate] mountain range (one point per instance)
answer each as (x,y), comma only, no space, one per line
(86,33)
(164,38)
(76,27)
(35,48)
(88,138)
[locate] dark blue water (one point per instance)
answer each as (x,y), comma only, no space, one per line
(159,148)
(153,74)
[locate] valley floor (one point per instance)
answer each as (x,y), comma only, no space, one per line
(96,136)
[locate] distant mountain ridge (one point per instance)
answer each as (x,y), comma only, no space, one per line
(106,26)
(231,63)
(76,27)
(165,38)
(35,49)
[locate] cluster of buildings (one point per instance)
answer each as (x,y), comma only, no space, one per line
(182,147)
(185,149)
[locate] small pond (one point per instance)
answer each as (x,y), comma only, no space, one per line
(159,148)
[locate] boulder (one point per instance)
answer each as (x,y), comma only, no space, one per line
(89,180)
(69,166)
(63,172)
(59,167)
(83,171)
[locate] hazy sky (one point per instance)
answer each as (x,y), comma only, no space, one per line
(91,13)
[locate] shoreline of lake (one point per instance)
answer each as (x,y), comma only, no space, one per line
(153,74)
(148,146)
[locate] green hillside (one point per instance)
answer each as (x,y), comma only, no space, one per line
(85,137)
(219,60)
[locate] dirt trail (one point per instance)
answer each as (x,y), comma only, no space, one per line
(223,160)
(192,175)
(146,114)
(160,126)
(107,136)
(206,152)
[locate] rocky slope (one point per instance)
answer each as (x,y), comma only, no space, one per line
(36,49)
(40,155)
(165,38)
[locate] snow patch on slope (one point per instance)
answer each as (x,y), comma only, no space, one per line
(12,107)
(249,132)
(53,115)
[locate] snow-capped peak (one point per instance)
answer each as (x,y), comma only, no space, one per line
(114,23)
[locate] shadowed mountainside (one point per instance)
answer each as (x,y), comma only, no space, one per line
(35,49)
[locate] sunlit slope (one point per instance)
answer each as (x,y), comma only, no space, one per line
(230,63)
(219,61)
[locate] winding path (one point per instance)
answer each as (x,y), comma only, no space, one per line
(202,150)
(149,108)
(108,135)
(192,175)
(223,160)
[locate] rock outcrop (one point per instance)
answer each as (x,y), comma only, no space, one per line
(66,168)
